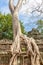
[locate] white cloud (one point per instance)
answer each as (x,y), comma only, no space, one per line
(28,7)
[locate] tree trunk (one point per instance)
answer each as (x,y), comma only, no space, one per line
(16,25)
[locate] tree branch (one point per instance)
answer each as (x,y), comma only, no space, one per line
(18,6)
(11,6)
(38,8)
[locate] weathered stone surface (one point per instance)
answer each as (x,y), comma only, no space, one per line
(5,53)
(35,34)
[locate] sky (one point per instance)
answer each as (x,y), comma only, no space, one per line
(29,19)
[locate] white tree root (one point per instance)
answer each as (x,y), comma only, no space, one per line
(35,55)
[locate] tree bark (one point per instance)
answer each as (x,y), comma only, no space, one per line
(16,27)
(15,22)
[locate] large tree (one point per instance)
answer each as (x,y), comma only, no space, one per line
(17,36)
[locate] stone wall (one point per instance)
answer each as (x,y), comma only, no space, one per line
(5,51)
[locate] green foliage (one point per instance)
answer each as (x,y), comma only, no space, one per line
(6,26)
(23,49)
(40,25)
(22,28)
